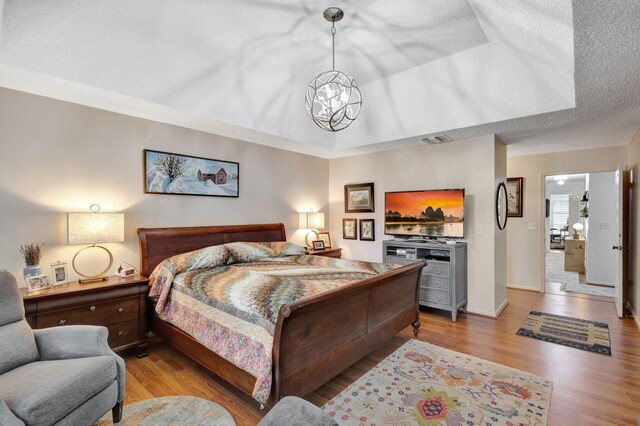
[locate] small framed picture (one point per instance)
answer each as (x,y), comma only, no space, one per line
(326,239)
(367,230)
(37,282)
(358,198)
(514,197)
(350,229)
(59,273)
(318,245)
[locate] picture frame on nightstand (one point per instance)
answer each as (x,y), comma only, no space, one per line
(326,238)
(318,245)
(59,273)
(37,282)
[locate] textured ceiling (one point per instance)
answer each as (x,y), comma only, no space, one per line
(464,67)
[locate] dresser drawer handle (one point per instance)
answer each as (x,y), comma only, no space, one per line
(438,284)
(437,298)
(93,308)
(437,270)
(120,310)
(120,333)
(62,322)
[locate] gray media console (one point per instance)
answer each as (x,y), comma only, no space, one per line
(443,283)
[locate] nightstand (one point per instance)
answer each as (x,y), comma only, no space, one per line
(332,252)
(119,304)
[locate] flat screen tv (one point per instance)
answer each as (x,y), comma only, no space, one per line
(433,214)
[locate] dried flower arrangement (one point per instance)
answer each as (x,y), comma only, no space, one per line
(32,253)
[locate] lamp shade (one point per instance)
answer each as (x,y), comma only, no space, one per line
(91,228)
(311,220)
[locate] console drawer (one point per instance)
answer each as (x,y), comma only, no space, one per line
(435,267)
(437,282)
(441,297)
(105,314)
(123,333)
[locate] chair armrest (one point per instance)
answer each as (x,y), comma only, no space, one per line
(78,341)
(72,341)
(7,418)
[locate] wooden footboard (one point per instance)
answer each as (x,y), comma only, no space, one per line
(315,338)
(318,337)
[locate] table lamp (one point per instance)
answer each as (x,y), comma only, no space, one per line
(310,220)
(93,228)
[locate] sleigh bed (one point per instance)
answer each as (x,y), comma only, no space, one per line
(316,337)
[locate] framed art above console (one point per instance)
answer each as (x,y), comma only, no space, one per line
(358,198)
(179,174)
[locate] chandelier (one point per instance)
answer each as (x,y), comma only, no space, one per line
(333,99)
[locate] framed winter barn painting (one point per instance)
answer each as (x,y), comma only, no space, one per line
(169,173)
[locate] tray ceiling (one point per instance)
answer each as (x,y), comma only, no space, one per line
(240,68)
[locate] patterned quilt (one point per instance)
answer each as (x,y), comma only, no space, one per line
(228,297)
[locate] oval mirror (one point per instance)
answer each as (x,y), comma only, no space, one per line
(501,206)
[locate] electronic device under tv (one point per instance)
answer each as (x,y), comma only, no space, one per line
(428,214)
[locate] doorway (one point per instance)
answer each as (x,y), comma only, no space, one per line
(580,229)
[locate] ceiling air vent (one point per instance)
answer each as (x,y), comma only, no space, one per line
(436,140)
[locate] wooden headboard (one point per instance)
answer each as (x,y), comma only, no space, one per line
(158,244)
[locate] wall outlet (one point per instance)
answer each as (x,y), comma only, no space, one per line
(479,229)
(533,226)
(604,226)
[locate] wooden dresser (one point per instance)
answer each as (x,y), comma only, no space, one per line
(443,282)
(574,255)
(332,252)
(118,304)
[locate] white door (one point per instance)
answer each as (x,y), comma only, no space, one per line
(622,247)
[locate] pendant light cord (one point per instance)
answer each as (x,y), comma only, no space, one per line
(333,43)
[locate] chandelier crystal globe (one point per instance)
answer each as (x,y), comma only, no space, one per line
(333,99)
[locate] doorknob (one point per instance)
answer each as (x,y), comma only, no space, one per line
(620,248)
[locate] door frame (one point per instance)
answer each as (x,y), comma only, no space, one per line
(541,218)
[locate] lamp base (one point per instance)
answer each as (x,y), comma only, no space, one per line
(92,280)
(306,238)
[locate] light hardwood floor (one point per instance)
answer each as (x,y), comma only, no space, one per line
(589,389)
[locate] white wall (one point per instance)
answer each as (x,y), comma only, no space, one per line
(59,157)
(500,242)
(525,247)
(634,229)
(602,230)
(474,164)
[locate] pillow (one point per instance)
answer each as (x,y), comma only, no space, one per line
(247,252)
(162,277)
(283,248)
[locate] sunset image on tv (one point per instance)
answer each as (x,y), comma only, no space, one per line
(425,213)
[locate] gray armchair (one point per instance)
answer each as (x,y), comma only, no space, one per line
(55,376)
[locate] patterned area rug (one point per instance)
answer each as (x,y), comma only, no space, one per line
(172,410)
(422,384)
(555,272)
(594,290)
(573,332)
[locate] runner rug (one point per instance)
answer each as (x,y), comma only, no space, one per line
(423,384)
(573,332)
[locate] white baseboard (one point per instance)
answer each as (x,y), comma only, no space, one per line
(600,283)
(489,314)
(501,307)
(481,313)
(522,287)
(636,318)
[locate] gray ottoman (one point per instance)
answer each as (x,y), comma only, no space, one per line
(294,411)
